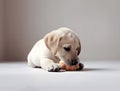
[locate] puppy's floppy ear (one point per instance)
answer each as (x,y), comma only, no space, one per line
(79,46)
(52,41)
(79,49)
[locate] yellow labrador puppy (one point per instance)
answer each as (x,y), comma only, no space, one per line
(61,44)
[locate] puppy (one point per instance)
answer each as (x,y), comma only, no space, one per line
(61,44)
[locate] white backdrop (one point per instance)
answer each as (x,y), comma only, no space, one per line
(97,23)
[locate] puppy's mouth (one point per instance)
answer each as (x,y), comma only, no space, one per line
(67,63)
(71,62)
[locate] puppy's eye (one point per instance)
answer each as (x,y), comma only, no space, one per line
(67,48)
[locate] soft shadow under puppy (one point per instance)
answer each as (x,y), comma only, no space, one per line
(94,69)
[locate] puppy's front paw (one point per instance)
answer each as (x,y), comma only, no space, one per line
(54,67)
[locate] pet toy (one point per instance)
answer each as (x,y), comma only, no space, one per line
(66,67)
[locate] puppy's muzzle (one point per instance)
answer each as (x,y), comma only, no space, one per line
(74,62)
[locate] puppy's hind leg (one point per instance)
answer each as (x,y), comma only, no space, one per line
(50,65)
(30,63)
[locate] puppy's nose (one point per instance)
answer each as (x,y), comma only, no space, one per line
(74,62)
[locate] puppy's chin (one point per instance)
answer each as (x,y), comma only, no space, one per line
(67,63)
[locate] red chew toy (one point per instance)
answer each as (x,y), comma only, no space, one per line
(71,68)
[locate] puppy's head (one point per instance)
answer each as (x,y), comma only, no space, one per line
(64,44)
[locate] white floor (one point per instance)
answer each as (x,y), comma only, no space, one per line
(96,76)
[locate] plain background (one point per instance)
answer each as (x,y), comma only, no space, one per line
(96,22)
